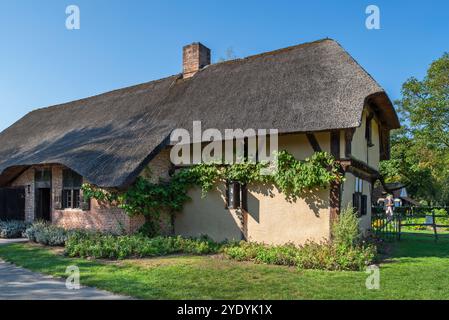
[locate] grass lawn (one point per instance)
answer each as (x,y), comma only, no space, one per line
(417,269)
(430,231)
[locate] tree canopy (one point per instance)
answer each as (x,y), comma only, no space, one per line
(420,149)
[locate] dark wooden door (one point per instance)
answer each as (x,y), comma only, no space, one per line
(12,204)
(43,204)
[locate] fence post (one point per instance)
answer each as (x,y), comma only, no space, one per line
(434,225)
(399,226)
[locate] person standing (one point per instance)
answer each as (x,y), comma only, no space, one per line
(389,204)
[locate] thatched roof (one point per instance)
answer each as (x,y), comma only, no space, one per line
(109,138)
(395,189)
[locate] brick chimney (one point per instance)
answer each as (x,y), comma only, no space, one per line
(195,56)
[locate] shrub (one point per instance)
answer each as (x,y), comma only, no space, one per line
(418,228)
(97,245)
(150,228)
(261,253)
(346,231)
(47,234)
(12,229)
(440,212)
(324,256)
(330,256)
(347,251)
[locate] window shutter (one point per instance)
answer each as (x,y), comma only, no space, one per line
(244,197)
(233,195)
(356,202)
(64,199)
(364,205)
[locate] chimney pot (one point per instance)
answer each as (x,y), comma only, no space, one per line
(195,57)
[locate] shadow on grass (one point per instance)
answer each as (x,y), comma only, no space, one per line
(41,258)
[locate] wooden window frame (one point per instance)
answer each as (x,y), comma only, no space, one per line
(369,130)
(360,203)
(358,185)
(71,194)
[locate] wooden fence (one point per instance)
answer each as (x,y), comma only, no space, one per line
(391,227)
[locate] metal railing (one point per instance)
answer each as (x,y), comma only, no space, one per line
(391,227)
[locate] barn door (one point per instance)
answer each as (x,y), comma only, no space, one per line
(12,204)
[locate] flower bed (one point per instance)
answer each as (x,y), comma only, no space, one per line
(347,251)
(323,256)
(96,245)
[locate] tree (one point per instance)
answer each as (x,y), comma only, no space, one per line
(420,149)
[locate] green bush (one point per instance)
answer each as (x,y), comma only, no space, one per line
(442,218)
(12,229)
(47,234)
(261,253)
(323,256)
(418,228)
(440,212)
(346,231)
(331,256)
(347,251)
(97,245)
(150,228)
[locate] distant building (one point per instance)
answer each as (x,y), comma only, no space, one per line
(399,192)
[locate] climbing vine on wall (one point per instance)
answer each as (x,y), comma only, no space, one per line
(292,178)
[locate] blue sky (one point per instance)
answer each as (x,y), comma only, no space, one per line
(122,43)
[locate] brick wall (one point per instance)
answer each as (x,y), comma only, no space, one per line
(102,217)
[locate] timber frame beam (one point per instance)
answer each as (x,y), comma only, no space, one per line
(313,142)
(335,187)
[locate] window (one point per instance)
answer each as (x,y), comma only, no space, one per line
(42,175)
(71,186)
(236,196)
(360,203)
(67,199)
(359,200)
(364,205)
(358,185)
(233,195)
(42,178)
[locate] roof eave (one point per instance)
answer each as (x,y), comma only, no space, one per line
(383,106)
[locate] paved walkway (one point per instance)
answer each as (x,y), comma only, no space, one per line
(20,284)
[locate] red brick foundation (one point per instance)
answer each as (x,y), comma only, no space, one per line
(100,218)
